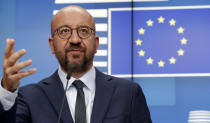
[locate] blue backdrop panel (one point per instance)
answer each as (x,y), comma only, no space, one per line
(121,42)
(161,41)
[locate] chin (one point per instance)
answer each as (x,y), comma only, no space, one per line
(76,62)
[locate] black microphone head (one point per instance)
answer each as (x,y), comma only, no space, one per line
(69,72)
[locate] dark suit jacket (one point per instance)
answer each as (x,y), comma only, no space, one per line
(116,101)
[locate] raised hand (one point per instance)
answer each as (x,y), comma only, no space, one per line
(11,67)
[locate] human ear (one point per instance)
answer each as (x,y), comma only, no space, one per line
(97,42)
(51,44)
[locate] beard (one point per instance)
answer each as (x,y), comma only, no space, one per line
(76,67)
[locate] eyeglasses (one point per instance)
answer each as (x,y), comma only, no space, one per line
(65,32)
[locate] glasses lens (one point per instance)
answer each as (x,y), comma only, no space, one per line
(64,32)
(84,31)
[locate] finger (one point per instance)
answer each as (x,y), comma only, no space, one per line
(9,47)
(23,74)
(18,66)
(15,56)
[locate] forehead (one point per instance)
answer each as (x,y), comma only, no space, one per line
(72,18)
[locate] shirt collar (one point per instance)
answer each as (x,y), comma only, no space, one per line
(88,78)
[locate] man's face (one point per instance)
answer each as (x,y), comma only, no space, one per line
(75,52)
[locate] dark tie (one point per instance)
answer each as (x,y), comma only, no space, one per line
(80,108)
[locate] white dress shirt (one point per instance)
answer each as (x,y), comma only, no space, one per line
(7,98)
(89,90)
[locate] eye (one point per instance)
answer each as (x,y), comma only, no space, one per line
(83,30)
(64,31)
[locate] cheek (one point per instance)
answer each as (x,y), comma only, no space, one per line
(91,45)
(59,47)
(90,48)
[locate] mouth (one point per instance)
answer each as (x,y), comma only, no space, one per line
(75,53)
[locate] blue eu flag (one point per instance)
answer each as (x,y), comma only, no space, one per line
(160,41)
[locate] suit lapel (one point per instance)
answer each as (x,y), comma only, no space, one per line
(103,94)
(54,91)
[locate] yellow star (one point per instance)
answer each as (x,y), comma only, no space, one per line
(161,19)
(141,31)
(172,60)
(172,22)
(183,41)
(150,22)
(138,42)
(180,52)
(161,63)
(141,53)
(150,60)
(180,30)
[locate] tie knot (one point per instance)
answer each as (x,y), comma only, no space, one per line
(78,84)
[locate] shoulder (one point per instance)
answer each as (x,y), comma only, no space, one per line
(119,82)
(32,89)
(123,82)
(36,89)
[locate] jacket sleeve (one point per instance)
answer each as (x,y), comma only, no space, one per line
(140,112)
(8,116)
(19,113)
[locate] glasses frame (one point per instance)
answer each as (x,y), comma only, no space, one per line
(56,30)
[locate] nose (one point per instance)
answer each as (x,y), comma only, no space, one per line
(74,39)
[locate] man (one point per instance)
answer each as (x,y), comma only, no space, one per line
(92,97)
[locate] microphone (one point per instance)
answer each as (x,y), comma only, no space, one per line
(69,72)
